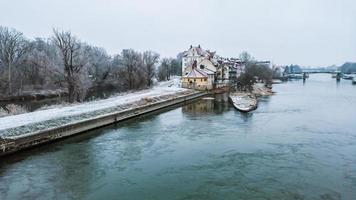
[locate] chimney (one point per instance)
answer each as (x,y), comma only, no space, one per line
(191,46)
(199,45)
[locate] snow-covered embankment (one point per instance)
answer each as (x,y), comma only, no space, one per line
(16,125)
(27,130)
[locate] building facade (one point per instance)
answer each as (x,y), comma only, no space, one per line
(198,79)
(219,71)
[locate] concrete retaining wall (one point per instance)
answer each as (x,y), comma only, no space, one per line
(33,139)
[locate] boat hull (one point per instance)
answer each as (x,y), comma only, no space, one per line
(250,106)
(347,77)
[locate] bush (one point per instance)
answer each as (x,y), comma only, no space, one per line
(12,109)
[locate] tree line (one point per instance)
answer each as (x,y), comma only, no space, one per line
(63,61)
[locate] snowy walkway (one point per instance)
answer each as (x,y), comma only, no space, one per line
(165,88)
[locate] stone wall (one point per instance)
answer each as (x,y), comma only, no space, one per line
(8,146)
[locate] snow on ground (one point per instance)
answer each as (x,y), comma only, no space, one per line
(162,88)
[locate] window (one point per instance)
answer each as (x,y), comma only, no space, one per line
(201,66)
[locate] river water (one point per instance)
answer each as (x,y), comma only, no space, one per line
(299,144)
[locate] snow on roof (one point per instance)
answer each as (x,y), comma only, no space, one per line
(200,51)
(196,73)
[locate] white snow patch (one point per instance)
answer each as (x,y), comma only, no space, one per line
(163,88)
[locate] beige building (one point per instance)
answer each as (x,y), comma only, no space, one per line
(198,79)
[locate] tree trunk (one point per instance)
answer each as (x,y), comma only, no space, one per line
(130,81)
(9,78)
(149,80)
(71,96)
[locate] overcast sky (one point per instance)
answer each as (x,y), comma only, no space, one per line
(306,32)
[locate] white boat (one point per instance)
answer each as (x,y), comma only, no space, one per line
(295,76)
(244,102)
(347,76)
(276,81)
(354,80)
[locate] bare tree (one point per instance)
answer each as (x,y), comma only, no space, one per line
(164,70)
(41,71)
(13,46)
(149,61)
(132,71)
(176,67)
(63,62)
(74,60)
(245,57)
(100,64)
(166,63)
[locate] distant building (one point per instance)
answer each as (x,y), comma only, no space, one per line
(233,69)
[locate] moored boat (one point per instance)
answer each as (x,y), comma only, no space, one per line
(347,76)
(295,76)
(354,80)
(244,102)
(276,81)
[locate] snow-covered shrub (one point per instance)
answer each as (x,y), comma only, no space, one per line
(3,112)
(15,109)
(12,109)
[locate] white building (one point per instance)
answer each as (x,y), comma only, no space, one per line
(195,54)
(225,70)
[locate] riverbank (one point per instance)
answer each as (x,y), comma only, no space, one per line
(30,129)
(287,149)
(248,101)
(34,95)
(18,138)
(260,90)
